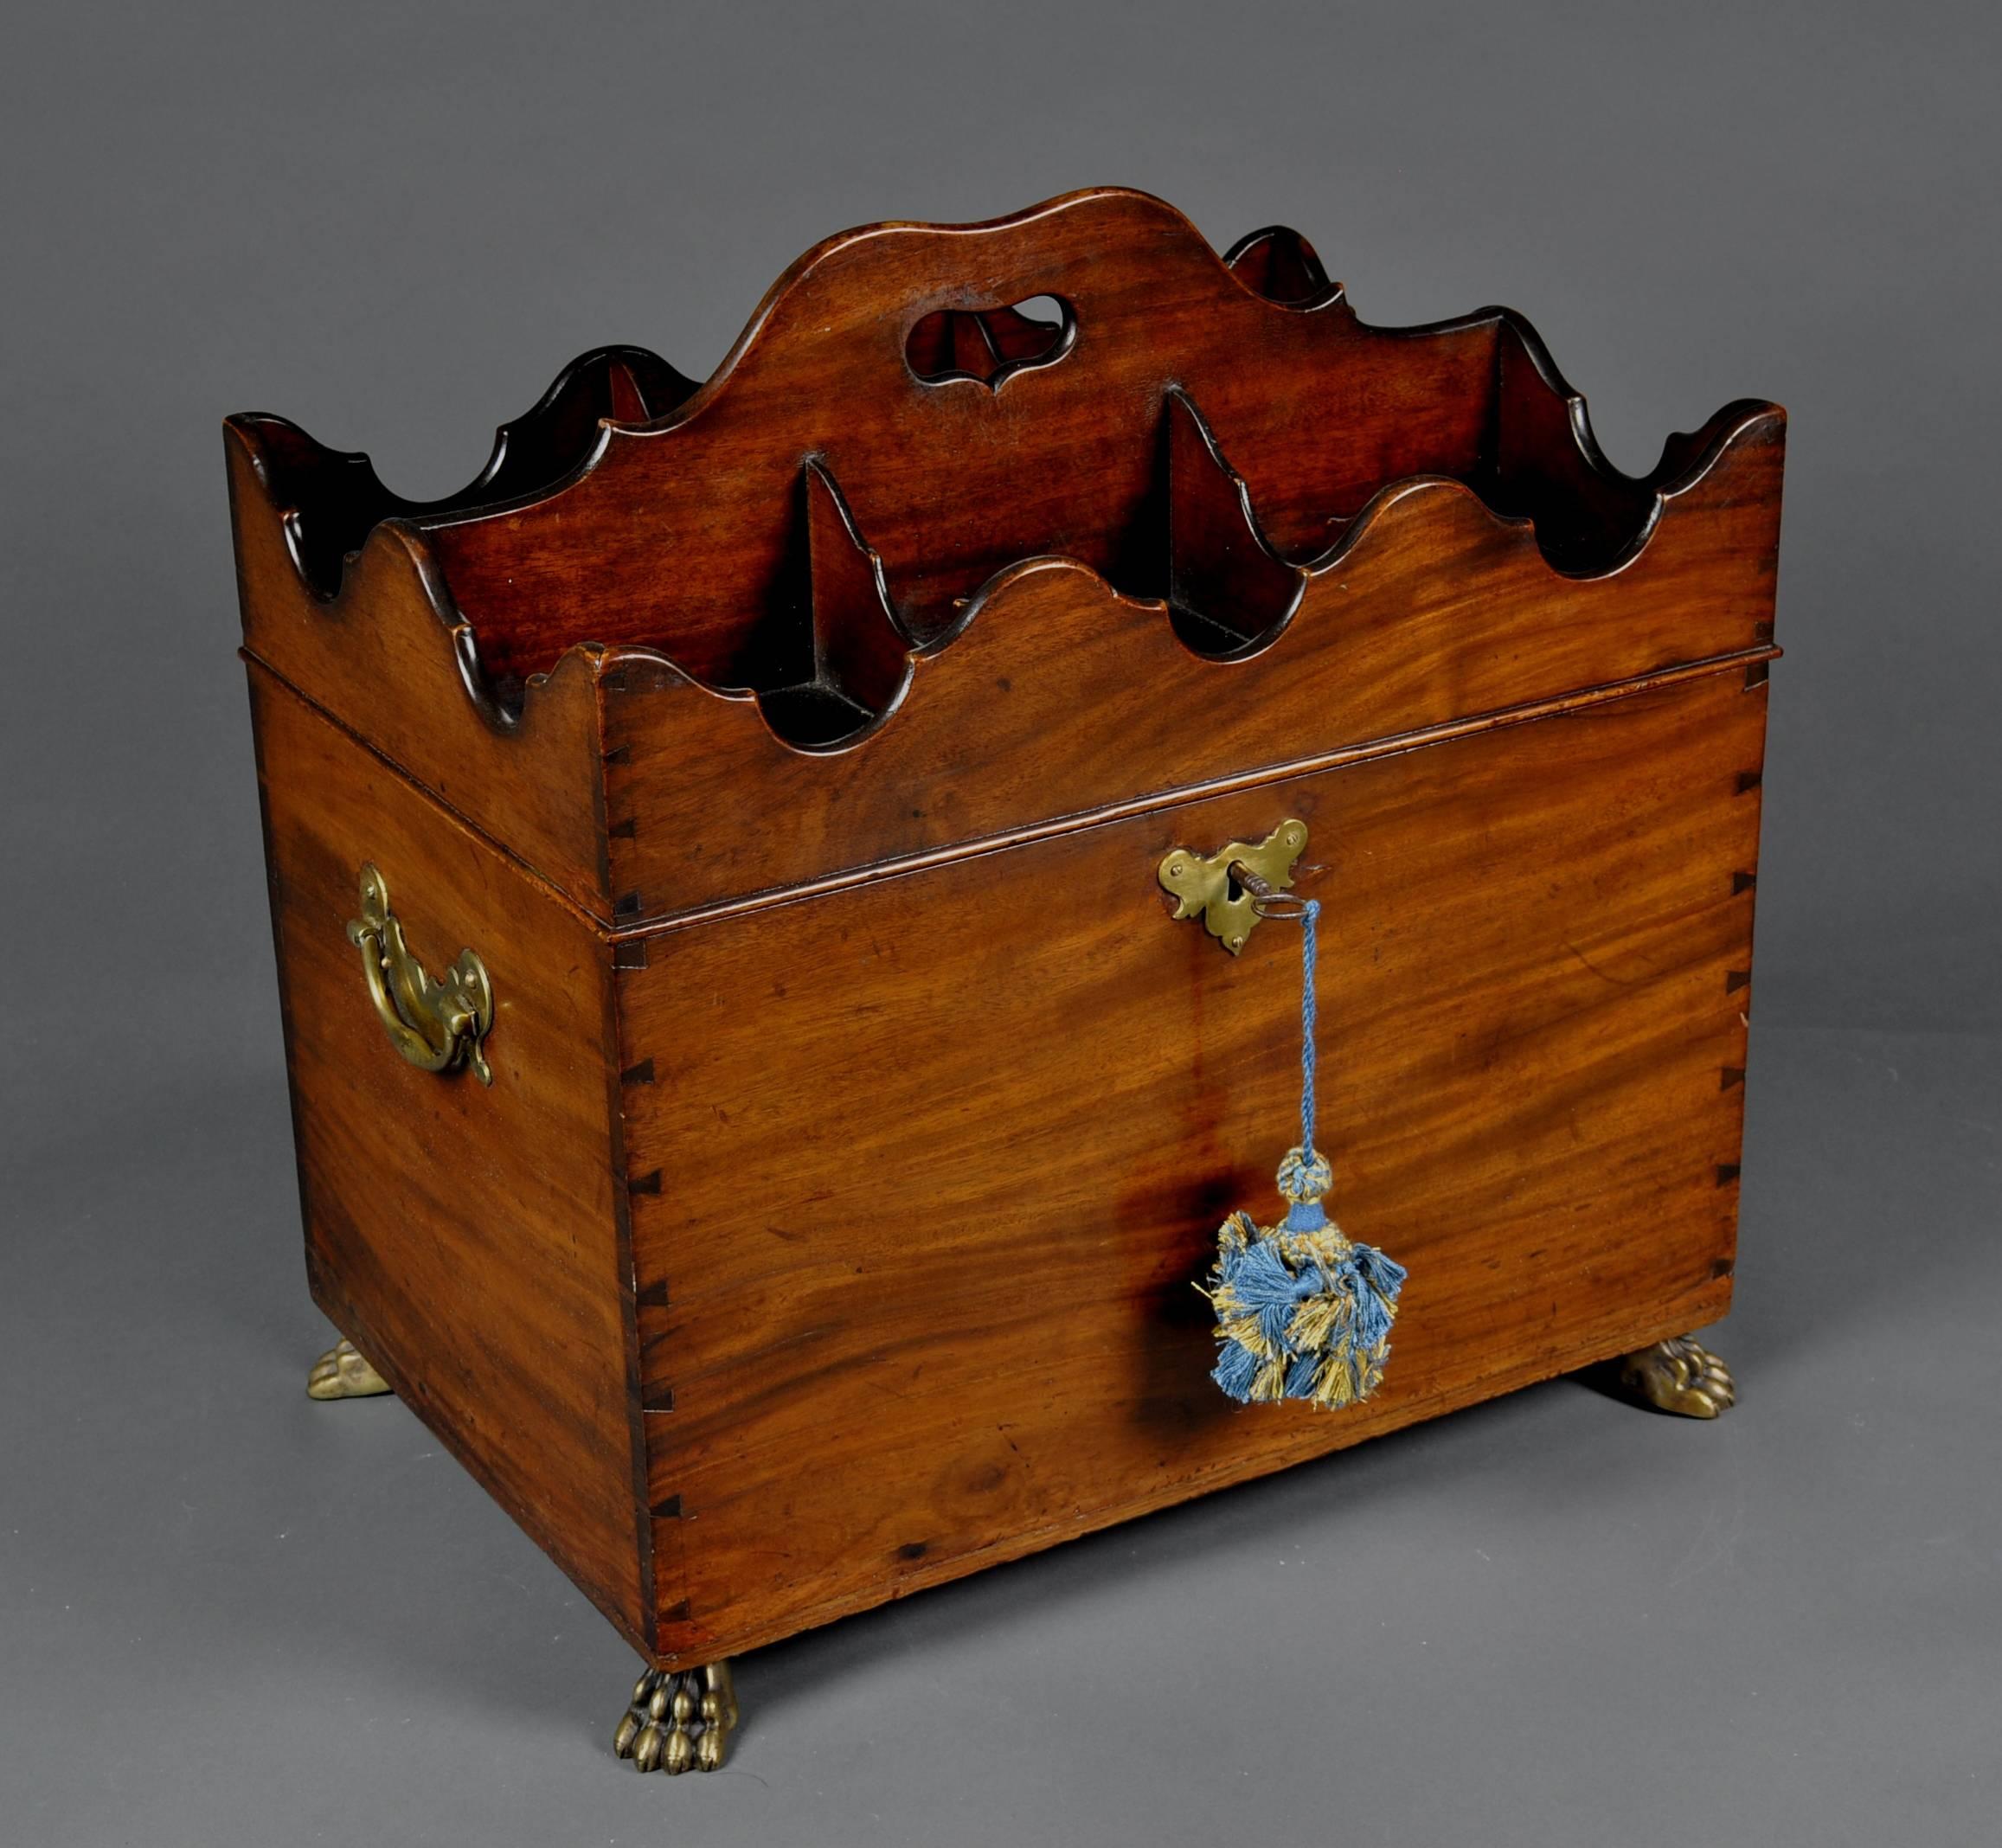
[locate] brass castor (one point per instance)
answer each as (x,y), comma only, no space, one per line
(1680,1375)
(679,1719)
(340,1373)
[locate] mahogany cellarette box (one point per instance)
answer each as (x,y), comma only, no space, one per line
(766,883)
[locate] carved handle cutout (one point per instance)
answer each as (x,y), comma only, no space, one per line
(991,345)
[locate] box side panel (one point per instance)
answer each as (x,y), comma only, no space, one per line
(386,657)
(467,1238)
(926,1171)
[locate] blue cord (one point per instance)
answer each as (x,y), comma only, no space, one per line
(1309,913)
(1302,1311)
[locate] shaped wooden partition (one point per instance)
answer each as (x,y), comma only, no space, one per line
(915,565)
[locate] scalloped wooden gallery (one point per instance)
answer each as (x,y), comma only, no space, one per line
(766,786)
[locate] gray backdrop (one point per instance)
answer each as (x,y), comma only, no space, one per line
(227,1615)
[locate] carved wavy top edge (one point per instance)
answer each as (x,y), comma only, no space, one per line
(404,531)
(544,443)
(1437,498)
(400,547)
(395,563)
(788,303)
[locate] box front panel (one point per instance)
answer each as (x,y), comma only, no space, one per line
(464,1236)
(925,1171)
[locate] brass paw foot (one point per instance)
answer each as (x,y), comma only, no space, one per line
(340,1373)
(679,1720)
(1678,1375)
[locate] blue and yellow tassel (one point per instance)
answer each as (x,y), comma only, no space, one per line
(1302,1310)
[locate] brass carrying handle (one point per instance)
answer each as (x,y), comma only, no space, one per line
(437,1026)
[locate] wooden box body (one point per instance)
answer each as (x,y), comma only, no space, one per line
(799,754)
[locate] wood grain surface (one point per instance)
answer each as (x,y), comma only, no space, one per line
(821,585)
(1058,697)
(924,1171)
(387,657)
(468,1240)
(679,533)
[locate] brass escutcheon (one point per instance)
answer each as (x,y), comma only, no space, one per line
(437,1026)
(1203,883)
